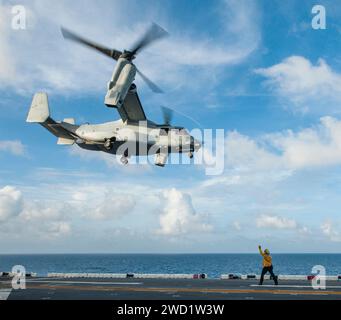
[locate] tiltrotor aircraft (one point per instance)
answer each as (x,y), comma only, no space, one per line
(134,134)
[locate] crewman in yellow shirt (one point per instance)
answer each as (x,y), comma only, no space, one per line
(267,266)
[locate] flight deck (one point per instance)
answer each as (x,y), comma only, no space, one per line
(49,288)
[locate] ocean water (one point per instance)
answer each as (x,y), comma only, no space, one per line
(212,264)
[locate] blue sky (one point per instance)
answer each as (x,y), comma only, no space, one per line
(256,69)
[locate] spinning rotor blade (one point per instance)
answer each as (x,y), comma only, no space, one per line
(167,115)
(149,82)
(155,32)
(112,53)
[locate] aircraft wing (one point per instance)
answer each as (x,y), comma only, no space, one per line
(131,109)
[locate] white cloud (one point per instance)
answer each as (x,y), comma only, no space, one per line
(179,217)
(66,218)
(236,225)
(58,229)
(61,66)
(114,205)
(270,159)
(303,83)
(79,196)
(230,180)
(277,222)
(328,229)
(42,211)
(317,146)
(13,146)
(236,17)
(304,230)
(10,203)
(45,219)
(83,208)
(243,151)
(20,216)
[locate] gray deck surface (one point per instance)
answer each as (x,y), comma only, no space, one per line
(165,289)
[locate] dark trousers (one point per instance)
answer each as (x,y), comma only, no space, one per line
(270,270)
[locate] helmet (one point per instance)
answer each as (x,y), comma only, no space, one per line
(267,251)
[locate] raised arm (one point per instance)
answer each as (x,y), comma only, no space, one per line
(260,250)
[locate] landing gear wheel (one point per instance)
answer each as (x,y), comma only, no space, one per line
(108,144)
(190,155)
(124,160)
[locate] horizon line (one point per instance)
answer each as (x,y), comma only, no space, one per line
(156,253)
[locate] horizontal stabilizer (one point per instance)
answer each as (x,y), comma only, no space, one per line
(65,141)
(69,120)
(39,111)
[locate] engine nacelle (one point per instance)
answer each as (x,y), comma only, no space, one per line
(161,157)
(122,78)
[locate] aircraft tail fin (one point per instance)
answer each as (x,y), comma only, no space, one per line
(39,110)
(40,113)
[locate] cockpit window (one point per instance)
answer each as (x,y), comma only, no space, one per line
(164,131)
(175,131)
(184,132)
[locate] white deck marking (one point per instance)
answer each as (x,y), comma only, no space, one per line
(4,293)
(83,282)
